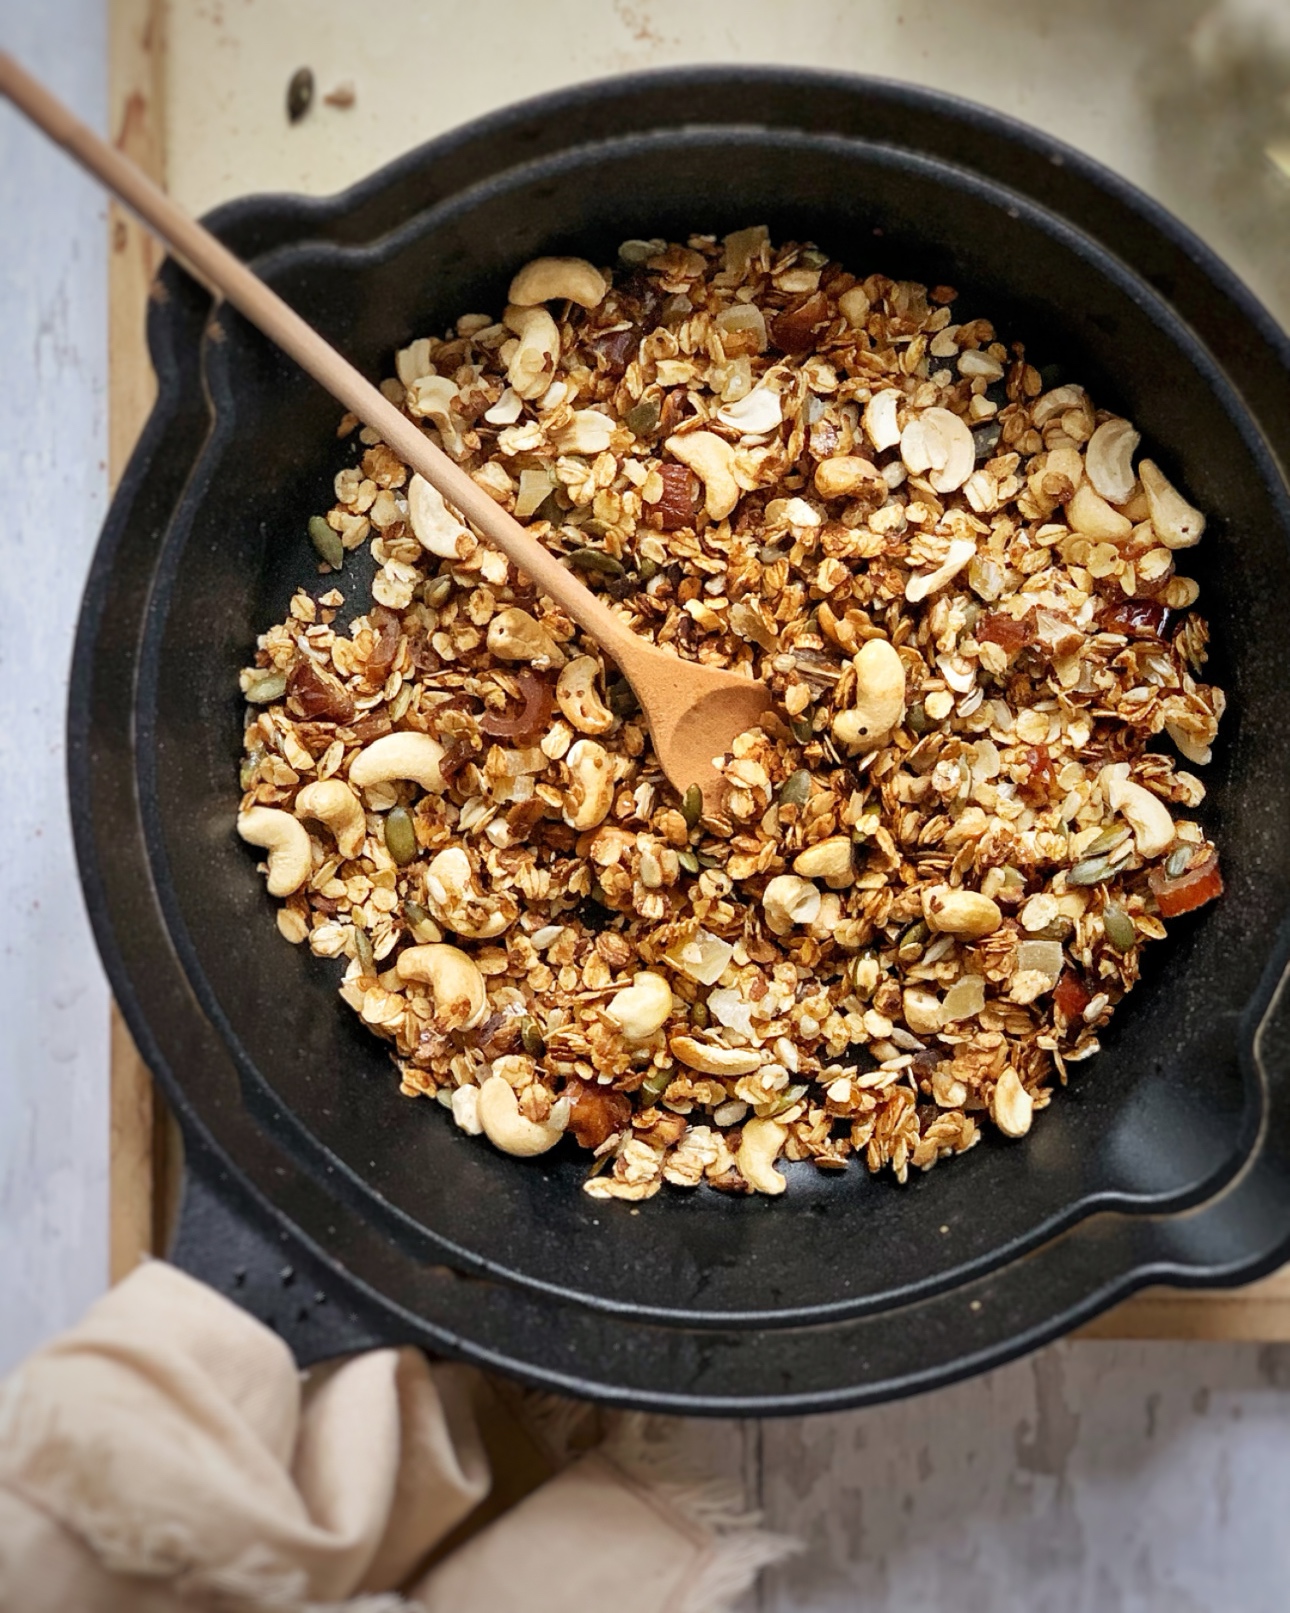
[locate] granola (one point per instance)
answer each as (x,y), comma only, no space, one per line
(936,866)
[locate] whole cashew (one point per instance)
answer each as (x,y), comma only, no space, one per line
(456,985)
(1011,1106)
(287,842)
(506,1128)
(709,1059)
(1178,525)
(1089,513)
(454,902)
(549,279)
(829,860)
(332,802)
(514,635)
(760,1146)
(1108,461)
(434,526)
(712,460)
(641,1008)
(1146,814)
(880,419)
(880,697)
(591,785)
(532,364)
(578,699)
(404,755)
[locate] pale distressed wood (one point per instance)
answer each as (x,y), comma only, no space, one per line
(141,1140)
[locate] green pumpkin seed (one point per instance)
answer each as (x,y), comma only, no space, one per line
(1108,840)
(796,789)
(437,591)
(327,544)
(648,569)
(597,560)
(266,686)
(913,941)
(686,858)
(641,420)
(692,806)
(916,718)
(1091,871)
(400,835)
(250,768)
(363,951)
(790,1096)
(1177,860)
(699,1016)
(655,1085)
(532,1040)
(803,730)
(1119,927)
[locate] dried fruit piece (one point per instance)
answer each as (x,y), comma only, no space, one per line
(1187,891)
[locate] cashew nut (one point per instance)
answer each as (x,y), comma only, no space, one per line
(453,900)
(332,802)
(432,397)
(434,526)
(506,1128)
(549,279)
(829,860)
(880,419)
(849,476)
(1089,514)
(590,431)
(1108,462)
(923,1012)
(456,985)
(531,363)
(710,1059)
(966,914)
(405,755)
(712,460)
(578,699)
(641,1008)
(759,412)
(514,635)
(287,842)
(790,900)
(759,1147)
(879,700)
(1056,402)
(918,587)
(1146,814)
(1178,524)
(939,442)
(854,306)
(465,1110)
(1011,1107)
(591,784)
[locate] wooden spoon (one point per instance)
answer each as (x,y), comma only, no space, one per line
(693,711)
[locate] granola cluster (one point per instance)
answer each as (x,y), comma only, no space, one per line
(937,864)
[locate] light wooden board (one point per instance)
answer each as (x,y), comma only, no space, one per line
(145,1152)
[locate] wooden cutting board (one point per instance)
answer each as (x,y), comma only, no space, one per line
(145,1150)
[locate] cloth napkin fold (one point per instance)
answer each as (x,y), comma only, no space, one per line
(165,1455)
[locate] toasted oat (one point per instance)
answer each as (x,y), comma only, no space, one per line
(764,463)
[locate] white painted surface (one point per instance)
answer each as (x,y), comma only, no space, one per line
(53,446)
(1095,1478)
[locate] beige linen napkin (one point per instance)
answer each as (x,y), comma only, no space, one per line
(166,1455)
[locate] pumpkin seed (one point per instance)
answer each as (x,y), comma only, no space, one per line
(656,1084)
(400,836)
(1119,927)
(692,806)
(300,94)
(621,699)
(363,951)
(913,941)
(266,686)
(699,1016)
(597,560)
(802,730)
(686,858)
(796,789)
(1108,840)
(641,420)
(1177,860)
(327,544)
(916,718)
(436,592)
(648,569)
(250,768)
(788,1098)
(1091,871)
(532,1039)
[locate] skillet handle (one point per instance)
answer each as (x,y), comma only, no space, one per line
(227,1241)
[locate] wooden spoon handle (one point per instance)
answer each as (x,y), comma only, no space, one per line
(227,276)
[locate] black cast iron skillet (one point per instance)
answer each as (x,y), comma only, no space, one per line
(342,1213)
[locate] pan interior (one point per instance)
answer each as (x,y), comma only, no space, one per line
(1153,1122)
